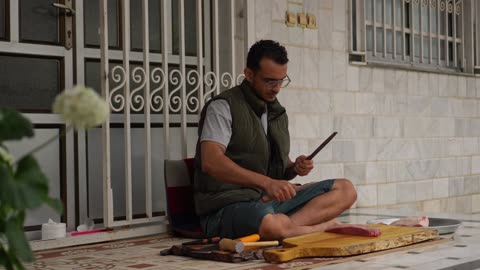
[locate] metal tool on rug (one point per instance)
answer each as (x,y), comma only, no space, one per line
(204,241)
(215,241)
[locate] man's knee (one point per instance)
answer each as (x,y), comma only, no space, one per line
(346,187)
(275,226)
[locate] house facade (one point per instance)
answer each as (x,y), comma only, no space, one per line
(395,78)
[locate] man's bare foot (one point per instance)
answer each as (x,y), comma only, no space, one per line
(325,225)
(333,223)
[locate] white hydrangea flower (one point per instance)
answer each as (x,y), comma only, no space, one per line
(81,107)
(6,157)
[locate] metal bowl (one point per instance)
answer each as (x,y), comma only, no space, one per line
(442,225)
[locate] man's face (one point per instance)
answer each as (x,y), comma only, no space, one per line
(267,80)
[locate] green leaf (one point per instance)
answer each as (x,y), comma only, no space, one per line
(17,241)
(13,125)
(27,189)
(18,264)
(31,185)
(7,186)
(4,213)
(5,259)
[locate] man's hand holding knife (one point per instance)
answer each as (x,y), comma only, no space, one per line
(282,190)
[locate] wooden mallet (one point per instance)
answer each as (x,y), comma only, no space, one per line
(249,238)
(239,246)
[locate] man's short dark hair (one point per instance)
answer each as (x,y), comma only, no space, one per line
(266,48)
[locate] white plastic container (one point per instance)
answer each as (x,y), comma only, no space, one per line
(53,230)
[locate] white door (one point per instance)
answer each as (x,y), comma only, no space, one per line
(35,66)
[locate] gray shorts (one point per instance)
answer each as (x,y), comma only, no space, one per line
(244,218)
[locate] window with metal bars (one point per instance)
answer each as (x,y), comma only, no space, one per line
(426,34)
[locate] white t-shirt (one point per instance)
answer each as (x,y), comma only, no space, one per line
(217,126)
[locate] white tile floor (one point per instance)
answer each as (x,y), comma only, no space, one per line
(461,253)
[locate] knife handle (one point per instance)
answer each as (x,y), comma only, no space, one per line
(261,244)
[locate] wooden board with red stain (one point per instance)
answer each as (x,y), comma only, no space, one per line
(332,245)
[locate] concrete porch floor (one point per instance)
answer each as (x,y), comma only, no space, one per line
(461,253)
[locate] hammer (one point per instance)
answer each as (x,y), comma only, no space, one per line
(238,246)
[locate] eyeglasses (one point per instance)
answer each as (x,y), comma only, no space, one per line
(273,83)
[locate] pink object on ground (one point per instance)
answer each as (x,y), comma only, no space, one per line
(90,232)
(355,229)
(412,222)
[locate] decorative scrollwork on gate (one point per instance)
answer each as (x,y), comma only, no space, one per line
(158,77)
(227,80)
(211,82)
(442,5)
(240,78)
(458,7)
(137,100)
(116,99)
(177,80)
(193,103)
(449,6)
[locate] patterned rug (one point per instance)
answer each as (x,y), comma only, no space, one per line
(143,253)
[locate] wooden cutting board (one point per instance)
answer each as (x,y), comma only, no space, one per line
(332,245)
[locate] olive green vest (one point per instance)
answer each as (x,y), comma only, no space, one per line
(249,147)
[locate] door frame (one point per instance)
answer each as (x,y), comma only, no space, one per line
(13,46)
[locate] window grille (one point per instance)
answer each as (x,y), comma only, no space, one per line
(434,34)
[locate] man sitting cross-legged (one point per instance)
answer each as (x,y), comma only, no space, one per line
(242,164)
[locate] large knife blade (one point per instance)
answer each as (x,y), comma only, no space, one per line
(315,152)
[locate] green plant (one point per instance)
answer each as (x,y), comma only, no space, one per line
(23,185)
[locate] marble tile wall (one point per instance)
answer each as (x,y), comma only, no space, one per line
(406,138)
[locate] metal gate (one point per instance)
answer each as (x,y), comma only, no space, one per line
(164,92)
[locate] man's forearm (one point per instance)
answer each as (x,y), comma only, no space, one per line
(230,172)
(224,169)
(290,172)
